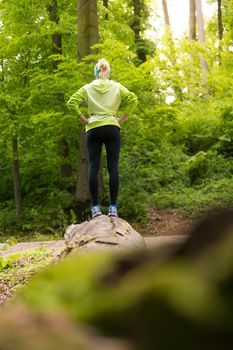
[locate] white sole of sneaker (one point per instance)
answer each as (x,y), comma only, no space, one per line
(95,216)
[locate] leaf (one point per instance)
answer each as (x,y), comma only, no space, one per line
(225,138)
(11,241)
(4,262)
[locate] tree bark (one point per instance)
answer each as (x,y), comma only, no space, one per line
(16,177)
(200,21)
(105,3)
(171,46)
(82,194)
(63,146)
(165,13)
(220,30)
(88,35)
(136,26)
(168,30)
(56,37)
(64,150)
(220,24)
(2,69)
(192,20)
(201,36)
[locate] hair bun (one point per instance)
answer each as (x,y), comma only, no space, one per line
(103,68)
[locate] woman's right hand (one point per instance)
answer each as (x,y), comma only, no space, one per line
(123,118)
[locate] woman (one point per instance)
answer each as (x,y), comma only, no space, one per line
(103,98)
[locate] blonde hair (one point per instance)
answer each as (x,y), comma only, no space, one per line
(103,69)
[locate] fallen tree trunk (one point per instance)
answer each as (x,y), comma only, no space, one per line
(102,232)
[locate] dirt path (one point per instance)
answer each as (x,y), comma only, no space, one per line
(19,247)
(60,245)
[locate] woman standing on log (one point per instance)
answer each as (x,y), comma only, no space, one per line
(103,98)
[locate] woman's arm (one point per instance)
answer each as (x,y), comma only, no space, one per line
(74,102)
(128,98)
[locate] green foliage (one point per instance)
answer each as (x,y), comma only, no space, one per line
(207,166)
(196,200)
(11,241)
(5,262)
(169,151)
(197,127)
(8,218)
(225,140)
(17,268)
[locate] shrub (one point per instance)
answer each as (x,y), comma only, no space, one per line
(207,165)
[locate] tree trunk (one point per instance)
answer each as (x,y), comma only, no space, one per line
(16,177)
(88,35)
(192,36)
(100,233)
(168,30)
(200,21)
(171,46)
(63,146)
(2,69)
(136,26)
(56,37)
(105,3)
(165,13)
(192,20)
(201,36)
(64,150)
(220,29)
(82,194)
(220,24)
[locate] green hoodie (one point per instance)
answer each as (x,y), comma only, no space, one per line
(103,98)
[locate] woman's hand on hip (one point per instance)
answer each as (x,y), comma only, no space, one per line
(123,118)
(83,119)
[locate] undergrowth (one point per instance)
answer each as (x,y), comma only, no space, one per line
(18,268)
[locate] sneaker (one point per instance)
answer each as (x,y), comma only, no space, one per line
(95,211)
(112,211)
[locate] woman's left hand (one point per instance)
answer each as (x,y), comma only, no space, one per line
(83,119)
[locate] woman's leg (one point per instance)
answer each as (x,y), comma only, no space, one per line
(94,146)
(112,144)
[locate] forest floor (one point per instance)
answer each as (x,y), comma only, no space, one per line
(168,222)
(164,226)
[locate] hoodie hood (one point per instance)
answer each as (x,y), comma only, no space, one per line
(101,86)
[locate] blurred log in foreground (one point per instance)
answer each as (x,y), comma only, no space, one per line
(102,232)
(23,329)
(163,299)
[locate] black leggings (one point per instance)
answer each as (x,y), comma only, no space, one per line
(110,136)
